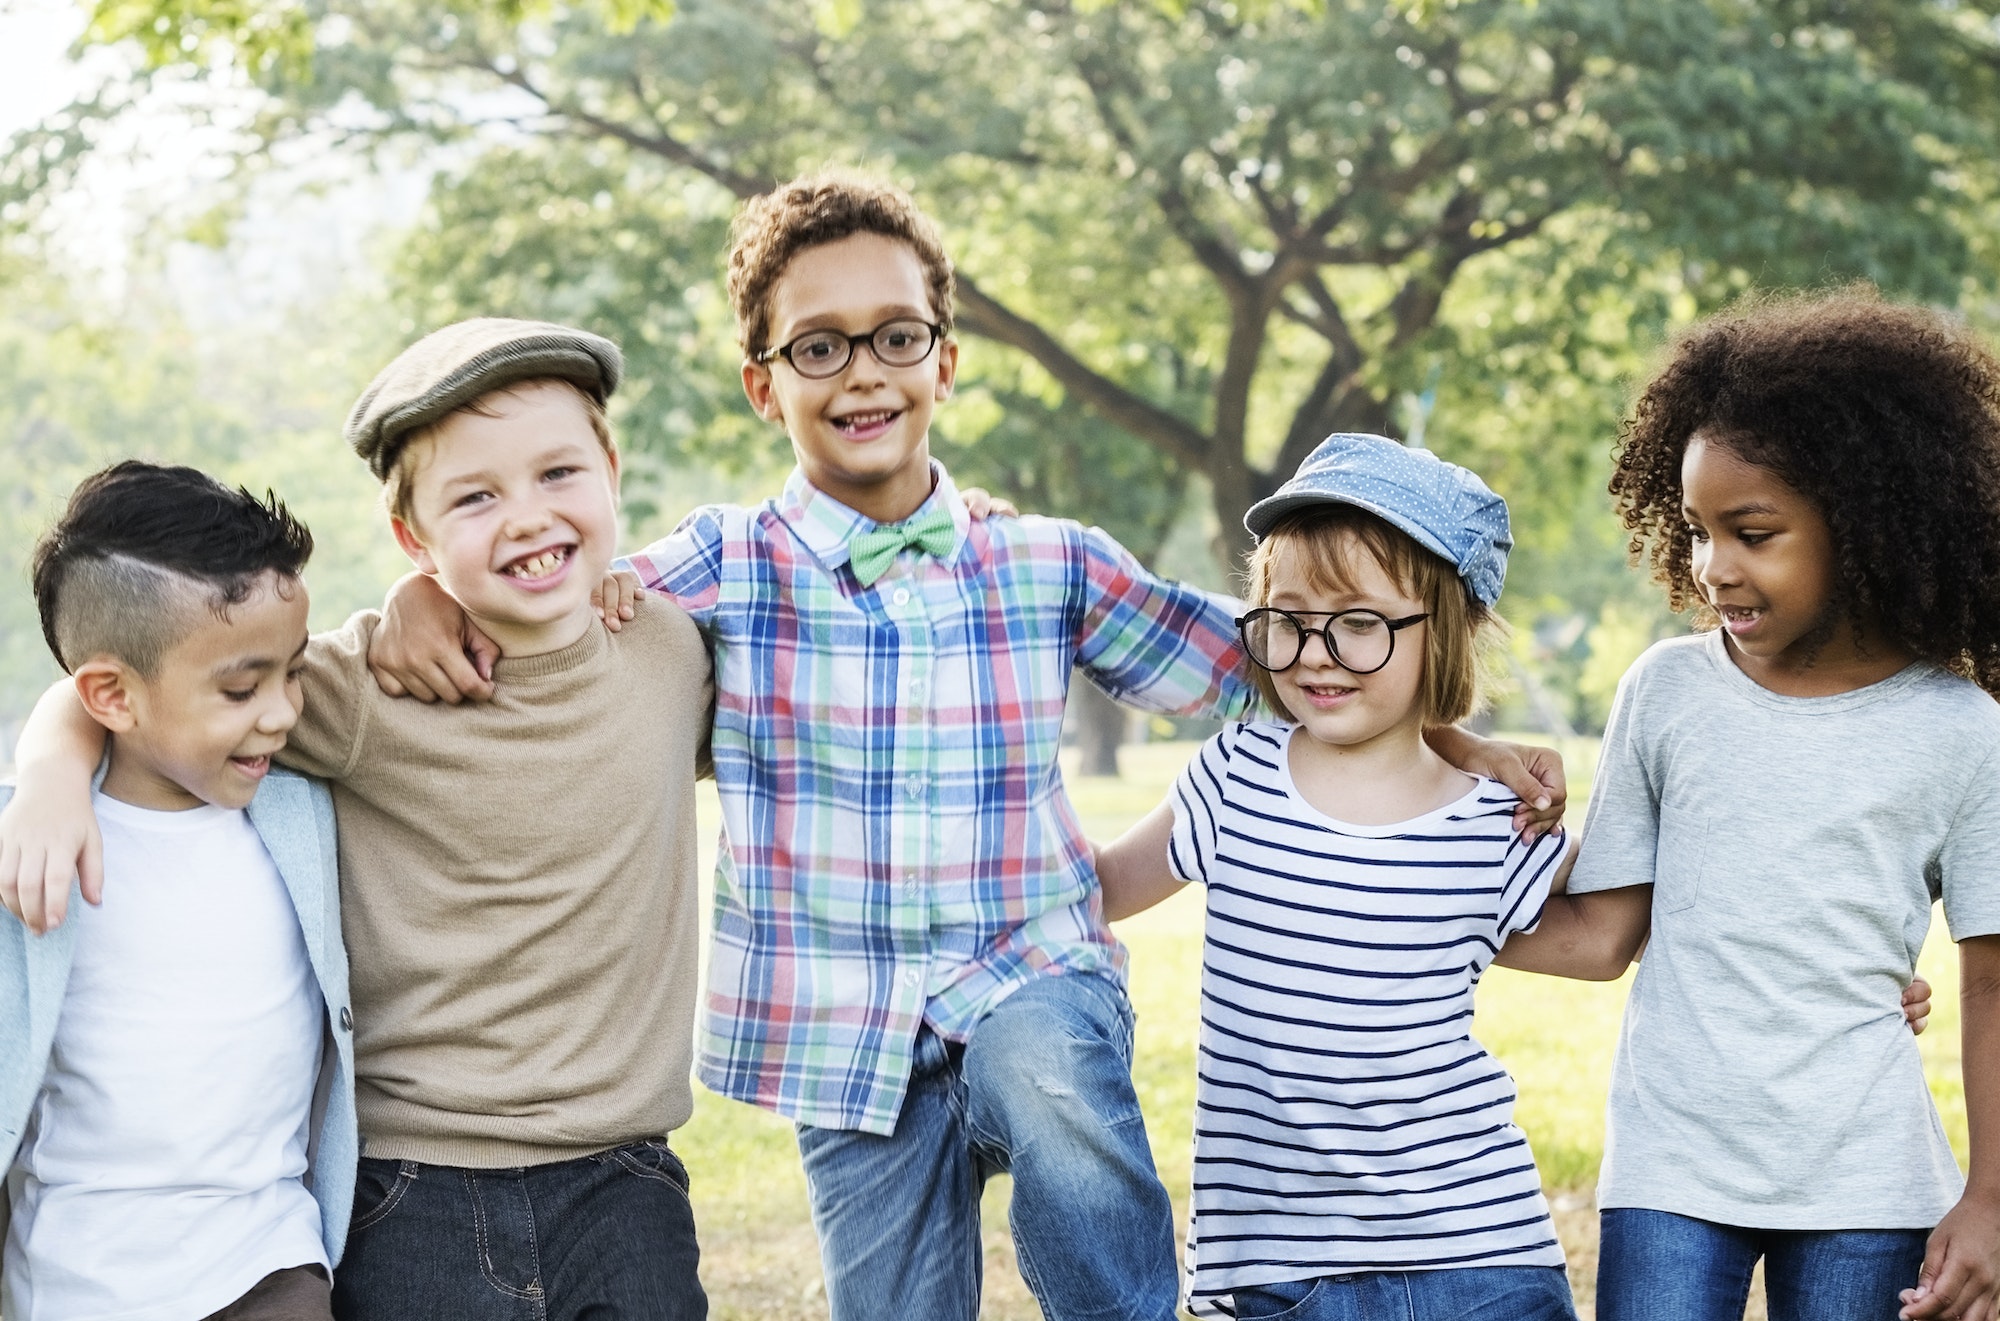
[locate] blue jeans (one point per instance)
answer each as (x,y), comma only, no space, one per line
(1043,1090)
(607,1237)
(1476,1293)
(1658,1266)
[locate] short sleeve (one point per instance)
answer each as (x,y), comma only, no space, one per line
(1621,831)
(1969,862)
(338,685)
(1159,645)
(1198,807)
(686,564)
(1529,869)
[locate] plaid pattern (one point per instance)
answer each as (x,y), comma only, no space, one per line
(899,849)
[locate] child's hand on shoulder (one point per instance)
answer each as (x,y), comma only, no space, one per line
(44,845)
(1534,774)
(426,648)
(617,597)
(982,504)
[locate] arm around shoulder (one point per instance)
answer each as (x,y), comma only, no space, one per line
(1136,869)
(1590,937)
(48,832)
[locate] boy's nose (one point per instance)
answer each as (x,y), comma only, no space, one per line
(527,518)
(863,369)
(277,717)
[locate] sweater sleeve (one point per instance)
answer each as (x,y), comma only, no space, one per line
(338,685)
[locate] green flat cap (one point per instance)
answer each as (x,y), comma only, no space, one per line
(449,368)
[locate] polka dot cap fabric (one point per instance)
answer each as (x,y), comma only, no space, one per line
(1446,508)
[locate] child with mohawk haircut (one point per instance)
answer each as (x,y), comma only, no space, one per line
(176,1066)
(910,955)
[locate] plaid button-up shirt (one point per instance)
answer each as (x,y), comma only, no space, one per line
(898,847)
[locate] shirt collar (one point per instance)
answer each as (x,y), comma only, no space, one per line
(825,525)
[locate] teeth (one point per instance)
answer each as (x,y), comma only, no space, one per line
(545,563)
(854,421)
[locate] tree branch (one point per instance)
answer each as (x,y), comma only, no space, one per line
(983,315)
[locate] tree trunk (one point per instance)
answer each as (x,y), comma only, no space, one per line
(1100,728)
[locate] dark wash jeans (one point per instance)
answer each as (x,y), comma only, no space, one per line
(607,1237)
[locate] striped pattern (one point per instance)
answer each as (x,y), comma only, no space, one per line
(1345,1118)
(899,848)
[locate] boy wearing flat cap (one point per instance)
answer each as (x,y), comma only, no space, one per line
(517,877)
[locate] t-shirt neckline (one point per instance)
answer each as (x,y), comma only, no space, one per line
(1470,797)
(1716,647)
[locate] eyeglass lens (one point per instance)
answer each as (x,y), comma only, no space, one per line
(1360,640)
(822,353)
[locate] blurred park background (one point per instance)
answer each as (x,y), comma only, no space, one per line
(1193,236)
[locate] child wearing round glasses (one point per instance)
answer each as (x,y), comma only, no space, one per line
(1355,1150)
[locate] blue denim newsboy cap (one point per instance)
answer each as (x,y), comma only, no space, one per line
(1444,507)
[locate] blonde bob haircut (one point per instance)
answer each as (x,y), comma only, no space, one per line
(1323,540)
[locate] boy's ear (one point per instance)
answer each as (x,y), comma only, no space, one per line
(104,686)
(757,389)
(947,370)
(414,547)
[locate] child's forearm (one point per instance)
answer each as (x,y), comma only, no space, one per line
(60,739)
(1134,869)
(1979,1044)
(48,834)
(1589,937)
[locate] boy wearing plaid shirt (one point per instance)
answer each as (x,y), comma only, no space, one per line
(910,956)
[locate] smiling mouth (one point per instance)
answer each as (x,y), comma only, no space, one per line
(531,568)
(1738,618)
(252,766)
(866,425)
(1326,692)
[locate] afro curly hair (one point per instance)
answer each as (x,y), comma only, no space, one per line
(1885,416)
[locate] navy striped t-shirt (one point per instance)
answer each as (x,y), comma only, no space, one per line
(1345,1119)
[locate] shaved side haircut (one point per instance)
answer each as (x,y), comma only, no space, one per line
(142,550)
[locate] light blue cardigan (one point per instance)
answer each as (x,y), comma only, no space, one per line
(294,817)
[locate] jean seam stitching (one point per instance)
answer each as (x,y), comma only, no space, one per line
(638,1169)
(483,1244)
(390,1200)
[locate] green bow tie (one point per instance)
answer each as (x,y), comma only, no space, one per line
(871,553)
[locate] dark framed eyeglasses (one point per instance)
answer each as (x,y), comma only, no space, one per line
(1360,641)
(818,354)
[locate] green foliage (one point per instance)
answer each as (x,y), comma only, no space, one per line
(1217,228)
(80,389)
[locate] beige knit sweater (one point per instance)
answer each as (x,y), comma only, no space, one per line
(518,890)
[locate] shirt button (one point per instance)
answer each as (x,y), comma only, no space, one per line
(902,596)
(916,687)
(915,788)
(909,976)
(346,1020)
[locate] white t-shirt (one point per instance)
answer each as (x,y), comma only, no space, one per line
(161,1172)
(1345,1118)
(1765,1076)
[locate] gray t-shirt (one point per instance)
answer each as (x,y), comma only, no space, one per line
(1764,1076)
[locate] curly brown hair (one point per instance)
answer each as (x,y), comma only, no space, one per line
(773,228)
(1885,416)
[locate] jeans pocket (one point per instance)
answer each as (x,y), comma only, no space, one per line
(379,1187)
(1291,1301)
(651,1160)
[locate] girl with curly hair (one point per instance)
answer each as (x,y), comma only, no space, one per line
(1819,479)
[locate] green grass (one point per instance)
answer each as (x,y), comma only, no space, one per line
(759,1256)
